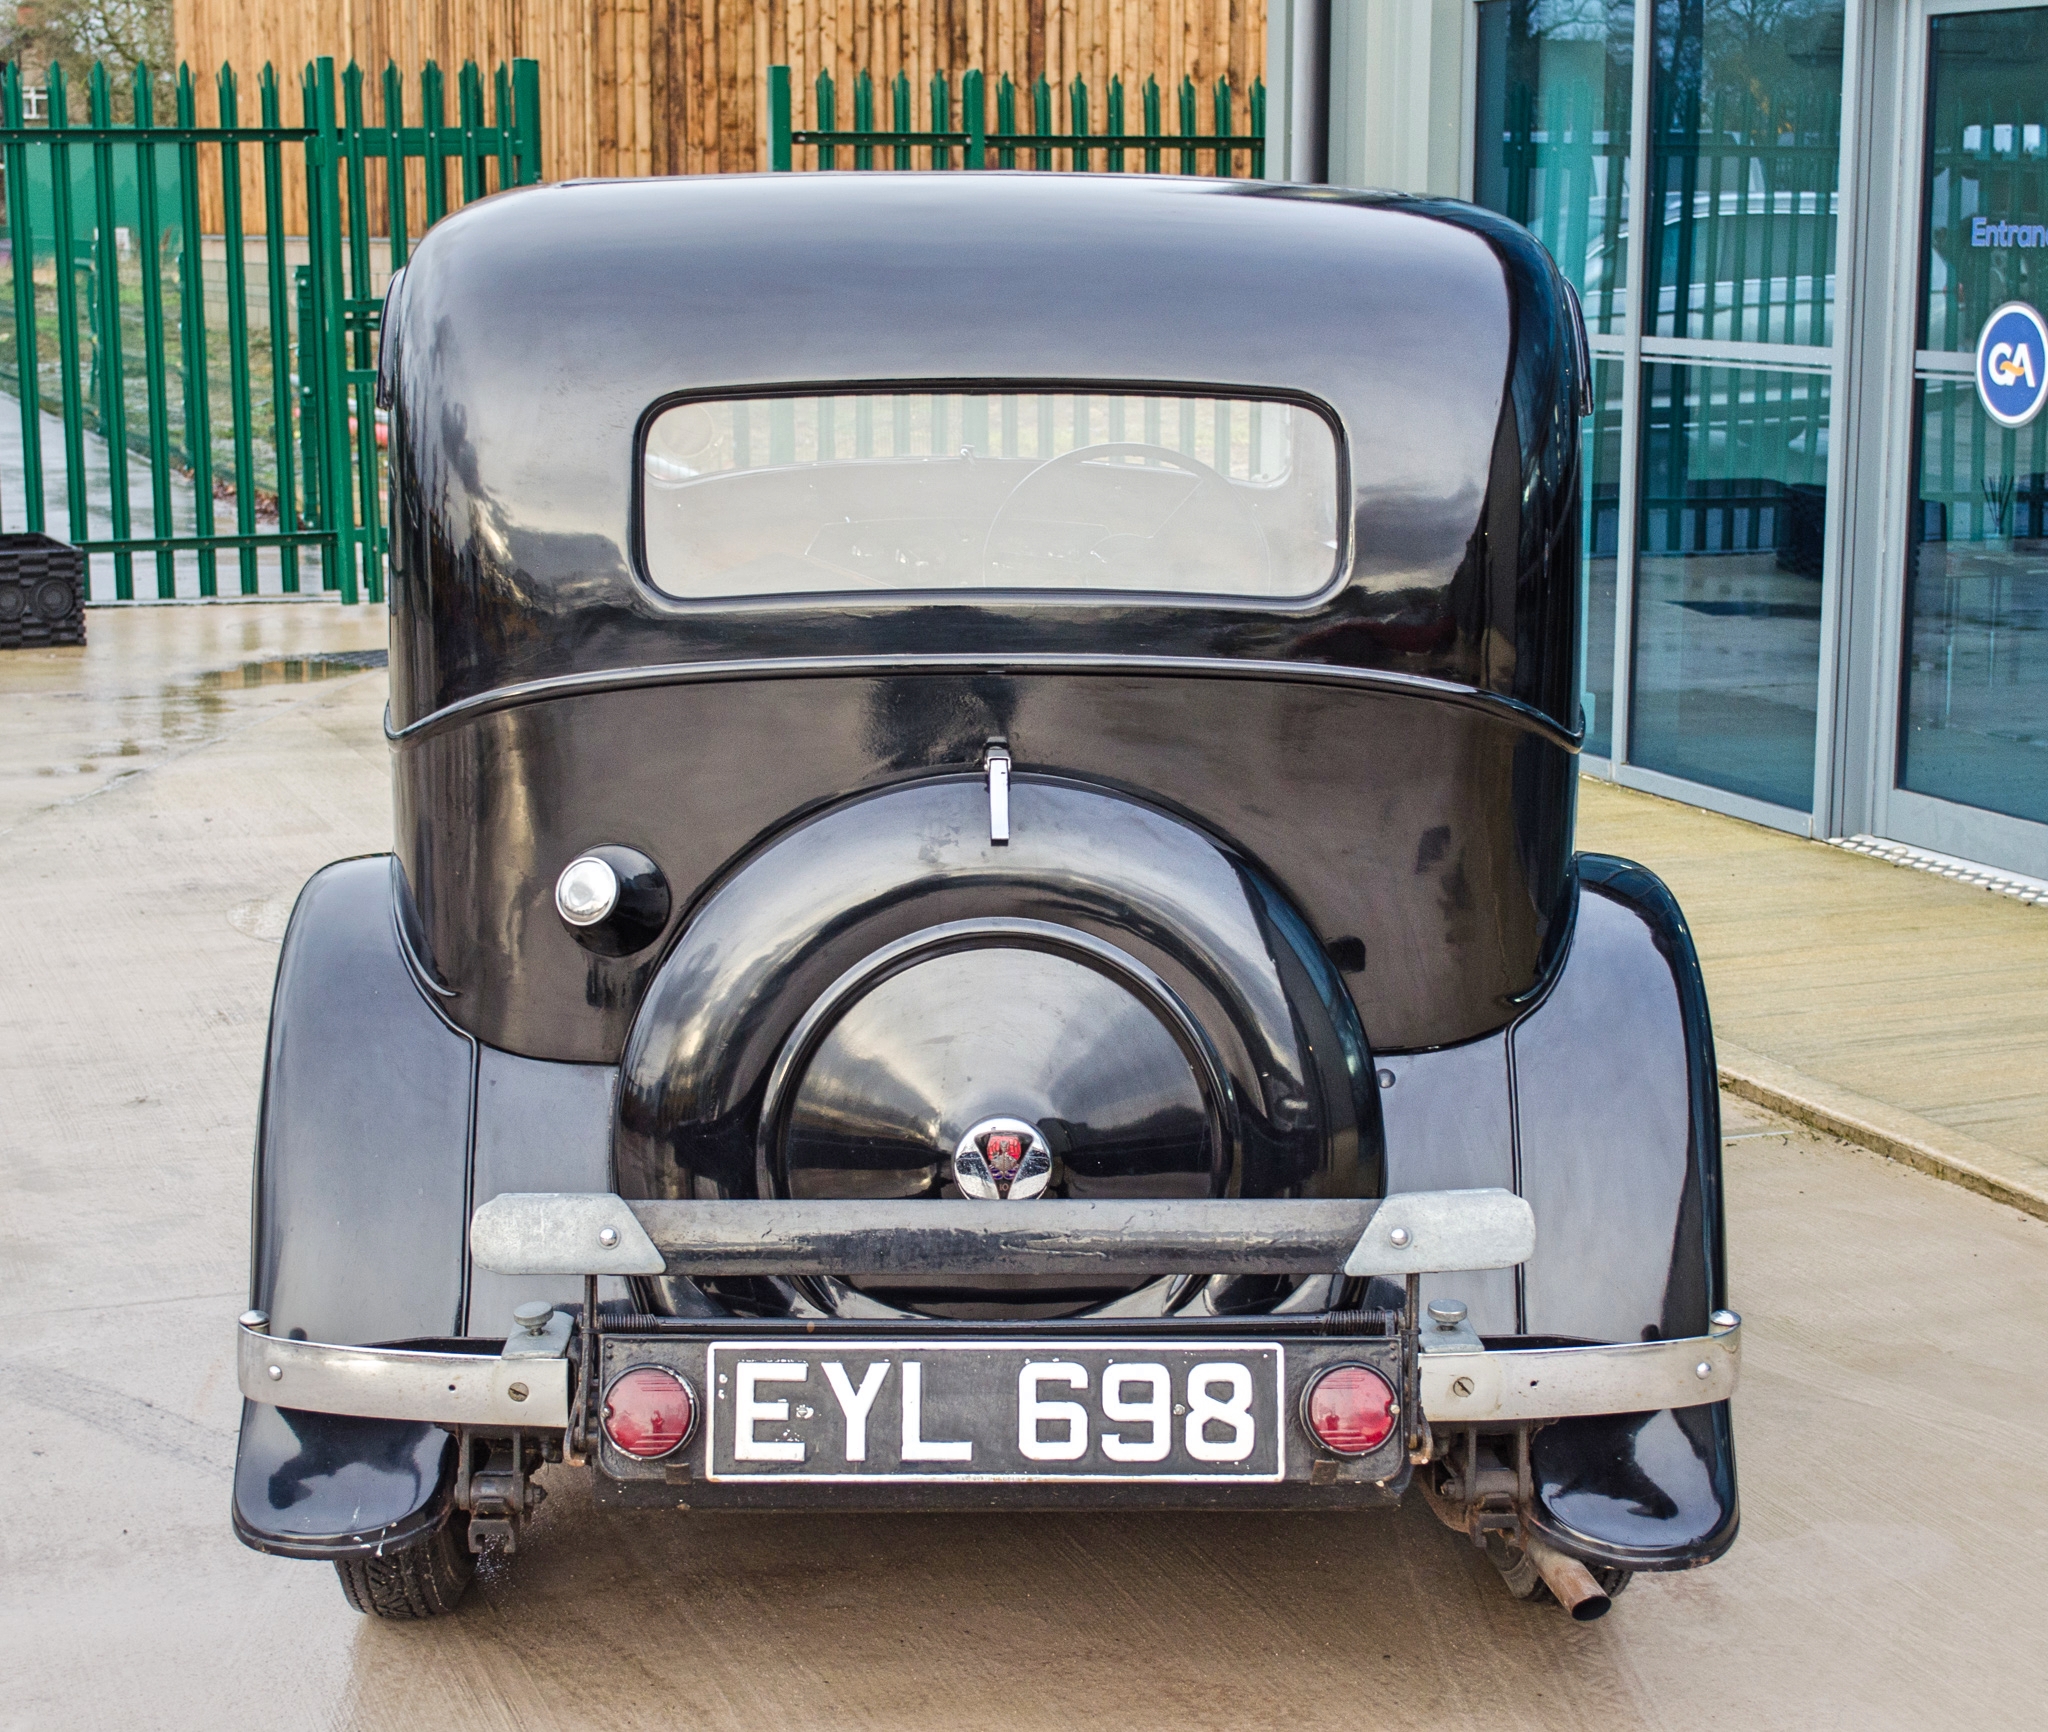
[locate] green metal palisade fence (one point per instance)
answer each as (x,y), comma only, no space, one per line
(135,278)
(977,141)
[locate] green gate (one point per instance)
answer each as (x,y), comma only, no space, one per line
(246,410)
(1002,144)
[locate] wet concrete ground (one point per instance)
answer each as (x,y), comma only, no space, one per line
(155,681)
(1892,1571)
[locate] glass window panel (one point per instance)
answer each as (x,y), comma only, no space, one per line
(1974,720)
(1987,171)
(1600,451)
(1745,147)
(1974,705)
(1727,621)
(1554,89)
(1033,490)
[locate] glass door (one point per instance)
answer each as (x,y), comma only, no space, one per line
(1970,761)
(1682,161)
(1738,360)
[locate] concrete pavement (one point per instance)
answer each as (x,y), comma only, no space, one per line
(1891,1571)
(1892,1006)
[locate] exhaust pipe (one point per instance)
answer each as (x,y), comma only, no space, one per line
(1569,1580)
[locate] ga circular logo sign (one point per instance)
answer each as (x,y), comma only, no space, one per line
(2012,364)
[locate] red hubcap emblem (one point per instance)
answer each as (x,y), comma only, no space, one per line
(1002,1160)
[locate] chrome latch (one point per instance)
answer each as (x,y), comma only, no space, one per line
(997,764)
(539,1332)
(1447,1330)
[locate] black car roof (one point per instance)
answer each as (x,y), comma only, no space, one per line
(534,332)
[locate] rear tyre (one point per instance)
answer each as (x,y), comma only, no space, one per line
(1522,1579)
(423,1580)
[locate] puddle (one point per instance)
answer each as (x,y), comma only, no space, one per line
(294,670)
(158,681)
(264,919)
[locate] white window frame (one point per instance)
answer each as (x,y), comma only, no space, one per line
(1867,797)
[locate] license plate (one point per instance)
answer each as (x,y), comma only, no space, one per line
(995,1411)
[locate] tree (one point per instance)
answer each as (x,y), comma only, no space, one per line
(120,34)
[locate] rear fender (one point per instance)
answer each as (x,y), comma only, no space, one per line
(362,1150)
(360,1215)
(1618,1123)
(1601,1105)
(1618,1149)
(324,1485)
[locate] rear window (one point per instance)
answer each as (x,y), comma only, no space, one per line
(1029,490)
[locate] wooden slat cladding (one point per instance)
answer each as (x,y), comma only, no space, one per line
(557,33)
(632,87)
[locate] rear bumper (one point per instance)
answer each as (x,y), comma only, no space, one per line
(1488,1387)
(531,1386)
(450,1388)
(1411,1233)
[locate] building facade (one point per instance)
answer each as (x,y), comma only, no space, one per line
(1816,565)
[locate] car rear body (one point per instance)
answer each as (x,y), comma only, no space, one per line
(1072,682)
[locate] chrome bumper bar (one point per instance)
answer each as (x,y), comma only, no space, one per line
(1411,1233)
(524,1388)
(1480,1386)
(585,1234)
(1500,1388)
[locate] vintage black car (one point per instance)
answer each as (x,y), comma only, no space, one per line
(984,913)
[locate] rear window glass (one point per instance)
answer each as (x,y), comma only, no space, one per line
(1029,490)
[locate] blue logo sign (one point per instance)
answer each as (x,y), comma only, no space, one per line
(2012,364)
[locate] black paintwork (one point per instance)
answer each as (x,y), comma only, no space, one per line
(1601,1105)
(1639,1491)
(1701,1234)
(533,334)
(640,915)
(1433,829)
(368,1149)
(1395,754)
(1628,1196)
(360,1222)
(1618,1123)
(1618,1149)
(877,980)
(539,1127)
(381,1125)
(324,1485)
(362,1150)
(1262,853)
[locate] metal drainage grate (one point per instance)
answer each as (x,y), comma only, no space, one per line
(2016,885)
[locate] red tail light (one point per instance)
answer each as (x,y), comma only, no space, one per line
(649,1411)
(1351,1409)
